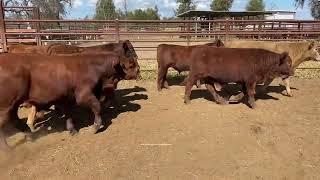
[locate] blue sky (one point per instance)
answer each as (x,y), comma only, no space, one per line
(81,8)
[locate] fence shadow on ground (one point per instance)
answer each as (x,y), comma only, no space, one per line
(83,117)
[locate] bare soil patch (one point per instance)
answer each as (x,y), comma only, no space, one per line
(155,136)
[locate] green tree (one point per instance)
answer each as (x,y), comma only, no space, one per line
(314,6)
(300,3)
(255,5)
(315,9)
(185,5)
(105,10)
(221,5)
(52,9)
(120,14)
(49,9)
(148,14)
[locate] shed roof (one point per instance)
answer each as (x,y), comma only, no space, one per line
(194,13)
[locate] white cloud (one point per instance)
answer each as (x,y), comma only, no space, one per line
(91,2)
(77,3)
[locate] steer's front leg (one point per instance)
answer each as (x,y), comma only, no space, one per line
(286,82)
(251,90)
(215,95)
(85,96)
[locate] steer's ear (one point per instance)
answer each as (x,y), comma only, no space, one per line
(283,57)
(125,45)
(312,45)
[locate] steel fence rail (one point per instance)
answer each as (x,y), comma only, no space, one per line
(146,34)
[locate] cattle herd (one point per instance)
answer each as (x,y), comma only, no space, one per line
(66,76)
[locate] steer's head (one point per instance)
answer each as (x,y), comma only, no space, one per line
(216,43)
(285,66)
(129,67)
(129,50)
(313,49)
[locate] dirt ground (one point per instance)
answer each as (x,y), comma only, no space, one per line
(155,136)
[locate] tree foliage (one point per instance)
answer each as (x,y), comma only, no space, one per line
(105,10)
(300,3)
(315,9)
(185,5)
(147,14)
(49,9)
(314,6)
(255,5)
(221,5)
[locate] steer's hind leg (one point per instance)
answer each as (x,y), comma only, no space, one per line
(162,80)
(4,118)
(84,96)
(184,82)
(251,92)
(190,83)
(215,95)
(66,108)
(70,127)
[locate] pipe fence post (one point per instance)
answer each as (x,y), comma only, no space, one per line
(117,28)
(3,28)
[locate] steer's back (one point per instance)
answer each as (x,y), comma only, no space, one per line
(233,64)
(174,56)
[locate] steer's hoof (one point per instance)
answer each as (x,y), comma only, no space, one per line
(96,128)
(253,106)
(73,132)
(186,101)
(29,137)
(166,85)
(223,102)
(34,130)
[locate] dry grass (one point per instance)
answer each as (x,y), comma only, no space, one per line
(308,73)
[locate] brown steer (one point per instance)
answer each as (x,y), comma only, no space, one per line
(177,57)
(41,80)
(123,48)
(298,51)
(244,66)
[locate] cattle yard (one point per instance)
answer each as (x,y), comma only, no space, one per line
(154,135)
(147,35)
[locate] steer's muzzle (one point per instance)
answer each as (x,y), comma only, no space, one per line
(288,73)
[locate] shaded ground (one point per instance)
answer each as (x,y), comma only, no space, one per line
(156,136)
